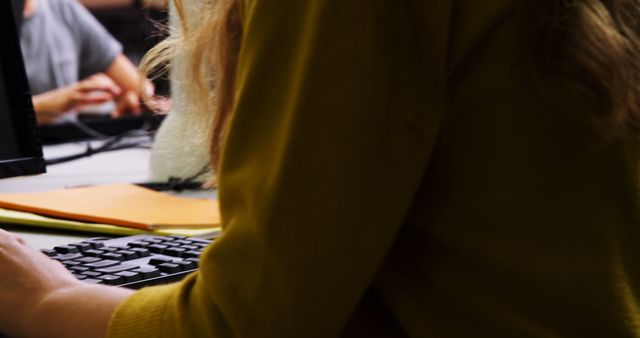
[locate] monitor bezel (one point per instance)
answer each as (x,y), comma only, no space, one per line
(20,104)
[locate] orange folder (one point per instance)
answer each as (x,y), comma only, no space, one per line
(118,204)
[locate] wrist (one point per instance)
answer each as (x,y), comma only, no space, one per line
(53,101)
(41,319)
(78,310)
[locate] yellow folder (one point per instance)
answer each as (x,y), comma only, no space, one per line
(28,219)
(118,204)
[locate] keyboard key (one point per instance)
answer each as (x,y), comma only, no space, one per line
(91,273)
(157,248)
(88,259)
(65,249)
(196,261)
(111,279)
(82,246)
(139,244)
(67,256)
(191,254)
(78,268)
(200,240)
(95,244)
(152,240)
(186,265)
(159,260)
(141,252)
(102,264)
(92,281)
(114,256)
(70,263)
(128,254)
(117,268)
(49,252)
(147,272)
(94,253)
(175,252)
(129,276)
(79,276)
(169,267)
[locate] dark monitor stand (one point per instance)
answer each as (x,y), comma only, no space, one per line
(20,149)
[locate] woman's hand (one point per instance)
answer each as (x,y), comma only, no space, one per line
(27,277)
(40,298)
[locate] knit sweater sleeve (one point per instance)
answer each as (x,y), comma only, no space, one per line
(322,159)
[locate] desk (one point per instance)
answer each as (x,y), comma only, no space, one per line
(127,165)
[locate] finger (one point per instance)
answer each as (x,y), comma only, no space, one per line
(99,78)
(128,103)
(120,110)
(102,83)
(81,98)
(149,89)
(133,102)
(91,87)
(7,237)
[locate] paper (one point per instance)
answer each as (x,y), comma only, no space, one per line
(29,219)
(118,204)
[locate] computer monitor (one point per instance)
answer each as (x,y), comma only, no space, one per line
(20,149)
(18,8)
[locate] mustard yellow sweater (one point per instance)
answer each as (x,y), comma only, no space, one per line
(393,171)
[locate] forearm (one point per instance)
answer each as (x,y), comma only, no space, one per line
(51,101)
(82,311)
(125,74)
(50,105)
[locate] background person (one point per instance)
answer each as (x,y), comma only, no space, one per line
(71,61)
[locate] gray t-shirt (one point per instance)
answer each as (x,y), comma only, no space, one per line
(63,43)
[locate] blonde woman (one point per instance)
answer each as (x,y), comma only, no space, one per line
(394,169)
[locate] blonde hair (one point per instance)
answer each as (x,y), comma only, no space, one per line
(594,43)
(210,40)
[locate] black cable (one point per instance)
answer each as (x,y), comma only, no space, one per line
(111,143)
(90,151)
(172,185)
(76,122)
(118,142)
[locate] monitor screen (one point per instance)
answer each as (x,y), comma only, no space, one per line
(20,150)
(18,7)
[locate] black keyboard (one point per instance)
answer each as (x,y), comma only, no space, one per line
(56,133)
(132,261)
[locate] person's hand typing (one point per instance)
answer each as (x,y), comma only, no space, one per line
(95,89)
(128,103)
(39,297)
(27,279)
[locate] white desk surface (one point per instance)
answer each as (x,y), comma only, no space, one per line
(128,165)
